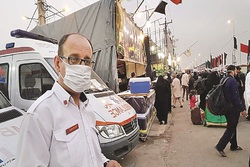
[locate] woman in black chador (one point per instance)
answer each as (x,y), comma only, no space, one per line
(162,104)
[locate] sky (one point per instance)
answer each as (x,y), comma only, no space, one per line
(200,25)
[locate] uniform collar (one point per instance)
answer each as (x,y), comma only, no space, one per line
(64,96)
(84,99)
(61,94)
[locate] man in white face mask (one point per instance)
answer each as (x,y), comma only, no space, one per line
(73,65)
(59,129)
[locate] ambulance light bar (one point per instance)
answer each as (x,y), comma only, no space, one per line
(25,34)
(10,45)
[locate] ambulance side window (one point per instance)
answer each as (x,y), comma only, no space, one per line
(4,71)
(34,80)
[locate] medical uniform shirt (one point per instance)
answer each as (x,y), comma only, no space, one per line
(56,133)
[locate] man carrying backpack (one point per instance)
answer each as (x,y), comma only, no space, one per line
(232,96)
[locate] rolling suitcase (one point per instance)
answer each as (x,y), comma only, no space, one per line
(196,116)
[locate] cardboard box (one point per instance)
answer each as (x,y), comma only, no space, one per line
(139,85)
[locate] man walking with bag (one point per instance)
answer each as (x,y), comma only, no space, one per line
(232,96)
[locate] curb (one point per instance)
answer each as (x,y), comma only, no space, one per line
(157,130)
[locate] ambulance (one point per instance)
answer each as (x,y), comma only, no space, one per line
(10,121)
(27,71)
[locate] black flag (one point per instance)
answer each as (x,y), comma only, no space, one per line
(161,7)
(211,61)
(225,58)
(235,43)
(248,54)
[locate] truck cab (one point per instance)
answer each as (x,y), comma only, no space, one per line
(27,71)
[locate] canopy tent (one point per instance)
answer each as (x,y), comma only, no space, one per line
(97,23)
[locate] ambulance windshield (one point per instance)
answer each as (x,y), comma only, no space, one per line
(96,84)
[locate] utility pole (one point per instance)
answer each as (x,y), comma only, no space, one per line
(234,56)
(147,17)
(166,40)
(234,42)
(41,12)
(156,34)
(166,31)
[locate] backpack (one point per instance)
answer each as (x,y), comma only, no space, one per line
(200,85)
(215,99)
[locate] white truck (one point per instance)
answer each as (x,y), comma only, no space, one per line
(27,71)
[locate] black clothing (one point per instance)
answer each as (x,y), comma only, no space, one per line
(241,78)
(154,74)
(162,99)
(231,133)
(191,83)
(203,95)
(169,100)
(232,116)
(212,80)
(202,104)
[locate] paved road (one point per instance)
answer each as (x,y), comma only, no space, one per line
(182,144)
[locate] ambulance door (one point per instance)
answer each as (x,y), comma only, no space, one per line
(33,77)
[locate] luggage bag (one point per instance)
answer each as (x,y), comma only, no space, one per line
(196,116)
(214,120)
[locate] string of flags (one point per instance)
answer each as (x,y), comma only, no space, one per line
(243,48)
(217,61)
(177,2)
(187,52)
(222,58)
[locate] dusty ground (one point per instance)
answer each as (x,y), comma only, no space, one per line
(182,144)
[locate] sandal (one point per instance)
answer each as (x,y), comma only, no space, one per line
(236,149)
(221,152)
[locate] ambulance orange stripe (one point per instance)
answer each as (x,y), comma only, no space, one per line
(14,50)
(100,123)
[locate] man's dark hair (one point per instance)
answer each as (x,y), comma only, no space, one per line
(238,67)
(64,38)
(230,68)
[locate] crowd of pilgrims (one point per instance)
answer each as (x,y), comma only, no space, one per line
(168,89)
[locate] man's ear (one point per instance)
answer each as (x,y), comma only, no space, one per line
(57,63)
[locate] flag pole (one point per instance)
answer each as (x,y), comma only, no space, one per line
(187,49)
(248,53)
(150,15)
(137,9)
(223,60)
(240,58)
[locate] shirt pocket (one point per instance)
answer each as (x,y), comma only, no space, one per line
(61,135)
(65,146)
